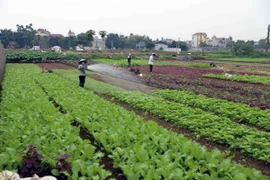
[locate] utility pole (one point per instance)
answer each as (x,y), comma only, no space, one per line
(111,44)
(178,49)
(267,39)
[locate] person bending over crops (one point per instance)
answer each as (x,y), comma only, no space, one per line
(82,74)
(211,63)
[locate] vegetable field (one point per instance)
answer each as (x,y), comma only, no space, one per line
(85,133)
(246,89)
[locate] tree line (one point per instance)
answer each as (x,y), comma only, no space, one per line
(26,37)
(244,48)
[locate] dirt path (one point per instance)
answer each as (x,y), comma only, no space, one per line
(120,77)
(125,84)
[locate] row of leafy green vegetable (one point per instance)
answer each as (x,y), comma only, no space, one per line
(16,56)
(219,129)
(142,149)
(242,78)
(144,62)
(28,117)
(235,111)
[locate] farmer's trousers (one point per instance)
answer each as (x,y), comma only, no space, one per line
(82,81)
(151,67)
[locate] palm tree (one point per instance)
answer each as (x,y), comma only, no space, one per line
(22,30)
(38,38)
(103,35)
(27,33)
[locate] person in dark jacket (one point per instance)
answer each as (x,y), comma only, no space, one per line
(82,74)
(129,59)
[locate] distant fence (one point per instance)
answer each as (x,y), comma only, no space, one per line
(2,64)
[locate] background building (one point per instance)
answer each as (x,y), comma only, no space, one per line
(98,43)
(198,38)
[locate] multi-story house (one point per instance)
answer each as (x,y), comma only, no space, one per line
(98,43)
(218,41)
(43,32)
(70,33)
(198,38)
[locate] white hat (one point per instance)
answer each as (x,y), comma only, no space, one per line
(82,60)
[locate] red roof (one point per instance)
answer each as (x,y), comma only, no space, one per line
(216,38)
(57,35)
(12,43)
(70,32)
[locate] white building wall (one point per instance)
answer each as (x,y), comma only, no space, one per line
(163,46)
(194,41)
(42,34)
(98,43)
(214,42)
(177,50)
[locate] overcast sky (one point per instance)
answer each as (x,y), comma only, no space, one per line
(241,19)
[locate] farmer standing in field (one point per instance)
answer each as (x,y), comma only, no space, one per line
(129,60)
(151,62)
(82,74)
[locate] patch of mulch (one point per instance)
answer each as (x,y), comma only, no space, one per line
(53,66)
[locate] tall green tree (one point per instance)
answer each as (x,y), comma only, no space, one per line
(262,43)
(70,42)
(230,44)
(150,45)
(25,35)
(112,41)
(6,36)
(122,41)
(242,48)
(56,41)
(90,36)
(250,42)
(203,44)
(132,40)
(82,39)
(183,46)
(44,42)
